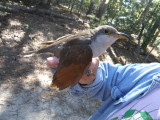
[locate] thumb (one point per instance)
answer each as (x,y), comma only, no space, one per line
(52,61)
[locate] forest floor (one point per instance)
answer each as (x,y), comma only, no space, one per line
(24,82)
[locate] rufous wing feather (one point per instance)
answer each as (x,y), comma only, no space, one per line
(74,61)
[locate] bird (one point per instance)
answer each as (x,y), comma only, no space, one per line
(75,53)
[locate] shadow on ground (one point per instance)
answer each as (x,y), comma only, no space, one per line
(24,82)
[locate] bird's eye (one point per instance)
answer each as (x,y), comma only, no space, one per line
(107,31)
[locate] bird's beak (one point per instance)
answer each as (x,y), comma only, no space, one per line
(121,35)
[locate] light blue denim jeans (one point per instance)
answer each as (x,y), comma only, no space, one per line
(118,85)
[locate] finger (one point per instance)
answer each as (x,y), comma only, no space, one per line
(93,67)
(52,61)
(95,62)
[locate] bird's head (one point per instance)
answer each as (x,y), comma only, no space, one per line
(108,34)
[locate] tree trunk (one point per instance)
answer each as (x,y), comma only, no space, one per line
(72,6)
(80,7)
(49,2)
(101,9)
(45,4)
(139,40)
(91,7)
(143,15)
(57,2)
(151,51)
(155,36)
(150,35)
(143,18)
(141,31)
(155,10)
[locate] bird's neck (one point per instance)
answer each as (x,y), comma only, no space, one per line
(98,49)
(100,44)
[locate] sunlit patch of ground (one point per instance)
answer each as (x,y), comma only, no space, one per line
(24,82)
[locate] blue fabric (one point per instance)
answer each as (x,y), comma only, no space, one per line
(118,85)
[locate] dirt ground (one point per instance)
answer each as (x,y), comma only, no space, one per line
(24,82)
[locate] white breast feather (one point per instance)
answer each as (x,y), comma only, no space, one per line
(101,43)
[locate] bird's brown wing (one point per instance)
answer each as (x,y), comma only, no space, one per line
(74,62)
(57,40)
(56,46)
(83,35)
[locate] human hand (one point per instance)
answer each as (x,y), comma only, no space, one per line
(53,61)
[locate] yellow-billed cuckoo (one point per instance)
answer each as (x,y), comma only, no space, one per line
(76,52)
